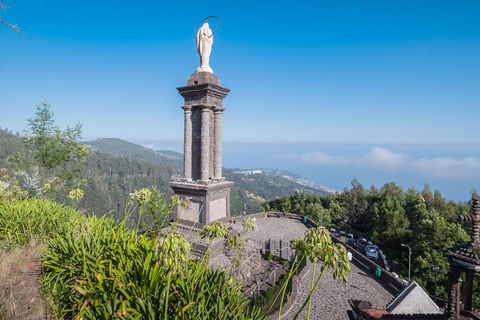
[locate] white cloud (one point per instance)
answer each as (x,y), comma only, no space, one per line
(448,167)
(320,158)
(384,159)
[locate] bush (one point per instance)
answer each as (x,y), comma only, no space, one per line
(33,218)
(99,269)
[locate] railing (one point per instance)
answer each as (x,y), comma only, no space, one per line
(393,281)
(277,248)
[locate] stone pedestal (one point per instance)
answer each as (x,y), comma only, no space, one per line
(202,181)
(208,202)
(464,259)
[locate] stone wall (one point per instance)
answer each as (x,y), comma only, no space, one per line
(394,282)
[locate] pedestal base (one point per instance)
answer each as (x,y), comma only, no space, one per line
(209,202)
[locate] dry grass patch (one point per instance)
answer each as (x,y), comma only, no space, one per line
(19,287)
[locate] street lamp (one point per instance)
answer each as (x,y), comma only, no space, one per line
(409,259)
(346,229)
(435,270)
(321,208)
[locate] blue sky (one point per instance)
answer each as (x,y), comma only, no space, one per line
(374,73)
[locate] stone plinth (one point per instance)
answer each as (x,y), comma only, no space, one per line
(202,180)
(464,259)
(208,202)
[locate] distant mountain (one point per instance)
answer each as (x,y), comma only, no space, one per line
(111,179)
(114,168)
(301,180)
(267,185)
(127,149)
(264,185)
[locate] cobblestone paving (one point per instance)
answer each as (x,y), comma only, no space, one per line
(330,300)
(275,229)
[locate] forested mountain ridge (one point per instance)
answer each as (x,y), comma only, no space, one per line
(115,168)
(109,179)
(127,149)
(268,184)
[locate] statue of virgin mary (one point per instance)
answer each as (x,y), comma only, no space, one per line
(204,47)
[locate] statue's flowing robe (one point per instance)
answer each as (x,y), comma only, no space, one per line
(204,44)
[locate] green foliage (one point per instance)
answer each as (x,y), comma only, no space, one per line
(158,211)
(97,268)
(267,186)
(262,300)
(126,149)
(111,180)
(239,198)
(51,148)
(213,230)
(424,220)
(32,218)
(317,245)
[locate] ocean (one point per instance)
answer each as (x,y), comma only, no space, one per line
(452,169)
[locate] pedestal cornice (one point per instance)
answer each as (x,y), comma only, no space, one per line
(206,93)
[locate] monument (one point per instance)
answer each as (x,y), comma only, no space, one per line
(202,180)
(464,259)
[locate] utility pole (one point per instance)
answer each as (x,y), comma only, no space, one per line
(435,270)
(409,259)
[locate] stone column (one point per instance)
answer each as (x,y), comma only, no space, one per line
(476,219)
(454,281)
(187,144)
(205,143)
(468,291)
(217,160)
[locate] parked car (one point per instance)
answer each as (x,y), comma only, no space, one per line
(353,243)
(371,252)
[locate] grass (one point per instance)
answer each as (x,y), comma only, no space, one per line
(97,268)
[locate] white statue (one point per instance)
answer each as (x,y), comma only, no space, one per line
(204,47)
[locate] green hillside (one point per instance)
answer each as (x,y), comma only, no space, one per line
(267,185)
(111,179)
(127,149)
(114,168)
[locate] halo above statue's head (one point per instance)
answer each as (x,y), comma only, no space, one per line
(209,17)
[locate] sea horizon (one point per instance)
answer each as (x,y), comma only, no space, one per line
(452,169)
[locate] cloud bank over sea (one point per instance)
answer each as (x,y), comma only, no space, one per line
(387,160)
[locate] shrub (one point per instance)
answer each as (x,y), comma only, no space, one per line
(33,218)
(100,268)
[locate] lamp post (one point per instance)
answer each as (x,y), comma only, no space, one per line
(409,259)
(346,229)
(321,209)
(435,270)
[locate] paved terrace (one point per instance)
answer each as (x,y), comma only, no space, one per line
(330,300)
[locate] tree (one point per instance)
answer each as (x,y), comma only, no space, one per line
(5,7)
(356,204)
(57,154)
